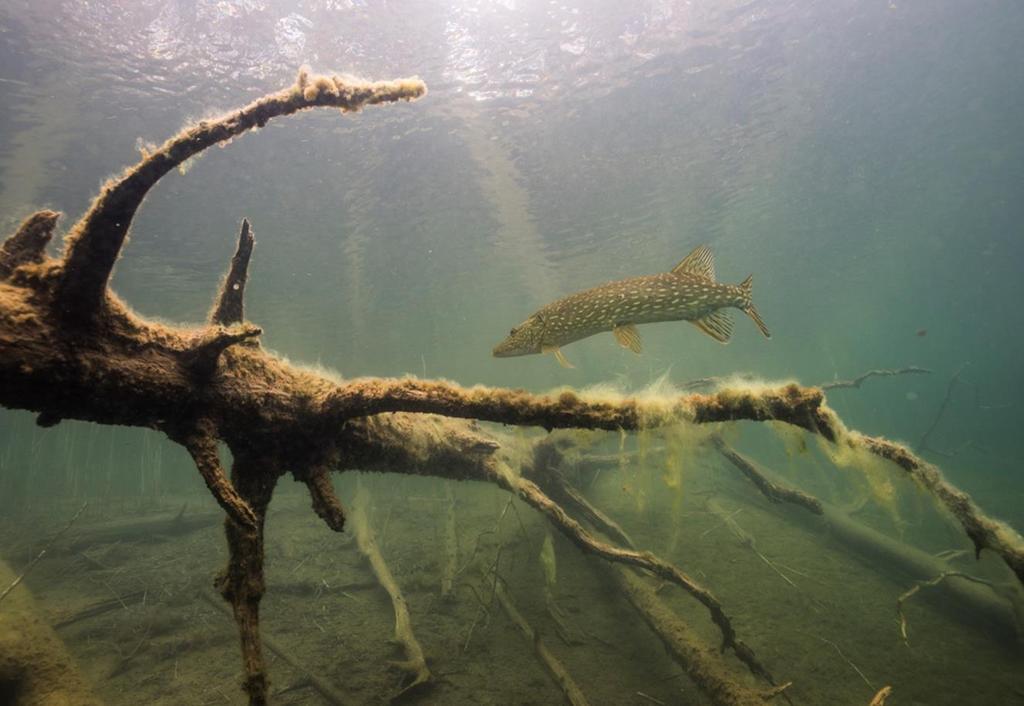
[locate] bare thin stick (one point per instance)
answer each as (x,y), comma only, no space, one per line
(922,444)
(571,690)
(925,584)
(40,555)
(886,372)
(847,660)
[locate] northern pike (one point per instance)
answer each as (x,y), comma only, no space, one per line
(688,293)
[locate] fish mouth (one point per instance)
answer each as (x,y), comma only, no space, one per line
(506,350)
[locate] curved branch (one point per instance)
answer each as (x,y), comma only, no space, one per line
(201,443)
(229,306)
(574,531)
(93,245)
(984,532)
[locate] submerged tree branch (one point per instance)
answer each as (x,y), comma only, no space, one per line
(94,243)
(69,349)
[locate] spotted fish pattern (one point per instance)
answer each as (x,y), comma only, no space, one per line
(688,293)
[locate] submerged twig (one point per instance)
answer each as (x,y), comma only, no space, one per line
(571,690)
(41,554)
(906,595)
(848,661)
(922,443)
(859,380)
(415,664)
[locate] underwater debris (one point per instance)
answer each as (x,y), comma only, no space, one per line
(415,663)
(73,350)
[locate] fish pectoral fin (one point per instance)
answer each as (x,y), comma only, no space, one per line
(700,262)
(627,336)
(559,356)
(717,324)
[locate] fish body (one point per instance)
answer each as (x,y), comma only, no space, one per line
(688,293)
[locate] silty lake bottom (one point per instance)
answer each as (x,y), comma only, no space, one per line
(861,160)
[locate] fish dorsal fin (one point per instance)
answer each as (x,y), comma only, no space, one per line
(559,356)
(699,262)
(717,324)
(627,336)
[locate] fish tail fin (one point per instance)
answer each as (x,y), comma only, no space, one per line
(748,308)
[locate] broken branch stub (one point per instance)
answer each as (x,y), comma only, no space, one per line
(229,307)
(27,244)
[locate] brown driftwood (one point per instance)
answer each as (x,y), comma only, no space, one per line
(70,349)
(415,663)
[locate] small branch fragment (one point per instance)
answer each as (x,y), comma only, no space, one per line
(773,491)
(859,380)
(27,244)
(745,538)
(325,503)
(202,357)
(881,696)
(922,444)
(451,544)
(925,584)
(201,443)
(229,307)
(571,690)
(94,243)
(415,664)
(848,661)
(38,558)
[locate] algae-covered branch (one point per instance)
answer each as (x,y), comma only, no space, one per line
(71,349)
